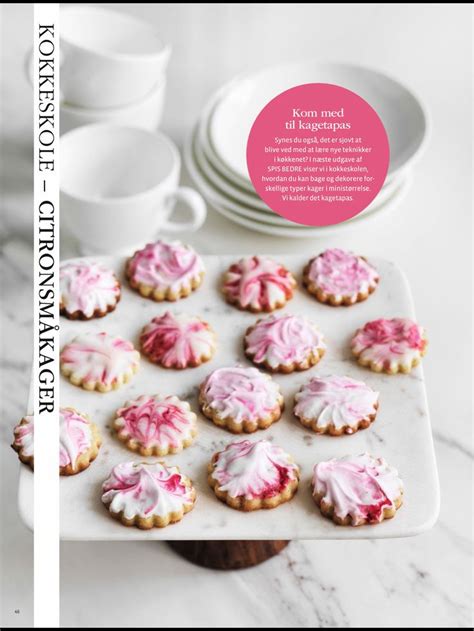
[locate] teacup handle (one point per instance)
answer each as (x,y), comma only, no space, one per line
(195,205)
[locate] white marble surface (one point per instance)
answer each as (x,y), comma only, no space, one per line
(401,432)
(418,582)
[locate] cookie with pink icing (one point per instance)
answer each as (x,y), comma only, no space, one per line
(79,441)
(88,290)
(336,405)
(241,399)
(148,494)
(250,475)
(338,277)
(390,346)
(99,361)
(165,270)
(284,343)
(258,283)
(357,490)
(178,341)
(155,425)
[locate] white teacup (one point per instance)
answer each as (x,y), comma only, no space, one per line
(145,113)
(108,59)
(119,186)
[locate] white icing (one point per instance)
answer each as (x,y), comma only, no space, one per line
(335,400)
(283,340)
(156,421)
(99,358)
(75,436)
(24,436)
(146,489)
(177,340)
(241,393)
(359,486)
(388,344)
(87,287)
(253,469)
(258,282)
(342,274)
(165,265)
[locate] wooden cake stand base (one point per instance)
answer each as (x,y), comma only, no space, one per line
(227,555)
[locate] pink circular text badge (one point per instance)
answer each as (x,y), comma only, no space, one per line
(318,154)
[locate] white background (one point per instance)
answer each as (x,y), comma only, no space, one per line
(421,582)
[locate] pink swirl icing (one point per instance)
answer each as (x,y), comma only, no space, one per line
(334,400)
(146,489)
(258,283)
(156,421)
(24,436)
(341,273)
(164,265)
(99,358)
(283,340)
(177,340)
(241,393)
(385,342)
(359,486)
(75,436)
(87,287)
(253,469)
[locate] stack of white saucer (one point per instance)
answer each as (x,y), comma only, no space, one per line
(215,154)
(113,69)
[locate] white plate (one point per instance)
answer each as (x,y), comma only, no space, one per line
(227,191)
(213,160)
(273,224)
(224,192)
(270,225)
(401,433)
(402,113)
(304,232)
(222,185)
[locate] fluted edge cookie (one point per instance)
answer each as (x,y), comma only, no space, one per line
(340,278)
(79,441)
(241,399)
(249,476)
(357,490)
(148,494)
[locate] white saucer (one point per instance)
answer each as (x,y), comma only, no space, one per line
(223,186)
(238,104)
(273,224)
(220,170)
(303,232)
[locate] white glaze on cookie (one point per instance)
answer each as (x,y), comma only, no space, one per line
(87,288)
(358,486)
(389,343)
(156,421)
(258,283)
(241,393)
(283,340)
(342,274)
(24,436)
(336,400)
(99,358)
(165,266)
(141,489)
(75,436)
(177,340)
(253,469)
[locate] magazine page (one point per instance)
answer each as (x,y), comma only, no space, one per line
(236,368)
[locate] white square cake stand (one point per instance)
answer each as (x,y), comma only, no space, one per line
(401,432)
